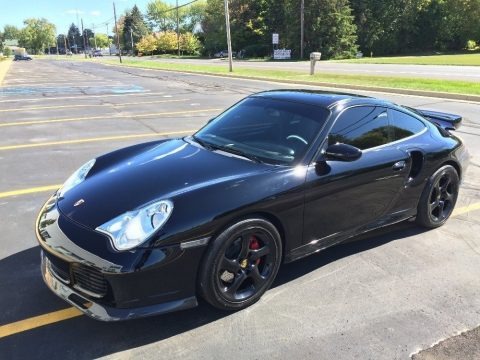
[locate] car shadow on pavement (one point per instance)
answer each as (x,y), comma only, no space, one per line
(24,295)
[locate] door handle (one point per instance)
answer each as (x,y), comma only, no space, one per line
(399,165)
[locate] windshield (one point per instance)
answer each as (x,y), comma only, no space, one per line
(267,130)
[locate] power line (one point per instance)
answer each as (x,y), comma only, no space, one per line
(178,7)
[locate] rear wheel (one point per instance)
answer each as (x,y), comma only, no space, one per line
(241,264)
(438,198)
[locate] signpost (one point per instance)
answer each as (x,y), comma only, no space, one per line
(282,54)
(275,39)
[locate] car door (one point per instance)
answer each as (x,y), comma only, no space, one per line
(345,197)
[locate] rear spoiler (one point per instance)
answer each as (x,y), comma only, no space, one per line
(444,120)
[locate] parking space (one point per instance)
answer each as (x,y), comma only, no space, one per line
(387,295)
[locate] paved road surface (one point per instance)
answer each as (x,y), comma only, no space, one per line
(465,73)
(384,297)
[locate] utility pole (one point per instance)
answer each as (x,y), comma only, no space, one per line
(116,31)
(229,39)
(56,42)
(109,45)
(75,40)
(84,43)
(302,23)
(178,31)
(94,37)
(131,38)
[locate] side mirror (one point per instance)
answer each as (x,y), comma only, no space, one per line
(342,152)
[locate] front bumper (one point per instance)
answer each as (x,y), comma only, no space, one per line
(80,266)
(104,312)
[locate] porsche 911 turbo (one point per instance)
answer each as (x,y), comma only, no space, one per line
(150,228)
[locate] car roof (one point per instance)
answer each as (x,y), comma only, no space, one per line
(327,99)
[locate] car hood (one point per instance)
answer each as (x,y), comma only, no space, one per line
(163,171)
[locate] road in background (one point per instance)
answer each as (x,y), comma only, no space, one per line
(465,73)
(386,296)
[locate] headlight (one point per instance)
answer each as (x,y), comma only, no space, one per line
(76,178)
(135,227)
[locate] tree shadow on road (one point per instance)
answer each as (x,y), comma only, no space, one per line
(24,295)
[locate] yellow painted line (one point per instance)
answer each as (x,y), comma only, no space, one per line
(4,66)
(92,105)
(38,321)
(29,191)
(466,209)
(88,140)
(104,117)
(81,97)
(53,85)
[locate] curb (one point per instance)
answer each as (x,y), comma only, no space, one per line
(4,66)
(424,93)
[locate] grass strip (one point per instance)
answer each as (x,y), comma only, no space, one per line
(435,85)
(454,59)
(4,66)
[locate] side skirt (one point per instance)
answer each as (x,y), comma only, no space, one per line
(334,239)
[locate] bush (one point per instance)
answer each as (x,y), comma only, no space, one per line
(471,45)
(7,52)
(257,50)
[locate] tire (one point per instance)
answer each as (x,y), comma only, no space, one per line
(241,264)
(439,197)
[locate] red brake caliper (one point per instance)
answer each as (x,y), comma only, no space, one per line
(254,245)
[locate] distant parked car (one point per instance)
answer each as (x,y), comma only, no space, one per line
(21,57)
(223,53)
(97,53)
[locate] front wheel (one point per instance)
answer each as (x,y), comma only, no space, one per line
(241,264)
(438,198)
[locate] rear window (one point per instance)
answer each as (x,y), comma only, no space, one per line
(405,125)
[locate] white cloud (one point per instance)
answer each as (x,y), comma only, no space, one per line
(74,12)
(95,13)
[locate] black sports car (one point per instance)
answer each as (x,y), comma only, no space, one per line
(21,57)
(280,175)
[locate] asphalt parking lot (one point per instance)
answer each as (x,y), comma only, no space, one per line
(386,296)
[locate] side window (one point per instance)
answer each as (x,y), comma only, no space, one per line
(363,127)
(405,125)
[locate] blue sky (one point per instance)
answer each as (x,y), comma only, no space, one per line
(63,13)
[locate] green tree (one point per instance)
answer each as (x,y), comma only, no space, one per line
(101,40)
(213,26)
(194,14)
(87,34)
(161,16)
(74,40)
(189,43)
(134,27)
(11,32)
(330,28)
(61,41)
(147,44)
(37,35)
(458,24)
(167,41)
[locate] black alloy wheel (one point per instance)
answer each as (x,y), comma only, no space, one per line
(241,264)
(438,198)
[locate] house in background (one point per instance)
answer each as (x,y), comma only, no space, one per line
(13,45)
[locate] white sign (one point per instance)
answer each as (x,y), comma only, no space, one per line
(282,54)
(275,39)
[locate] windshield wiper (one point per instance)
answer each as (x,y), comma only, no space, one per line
(204,144)
(237,152)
